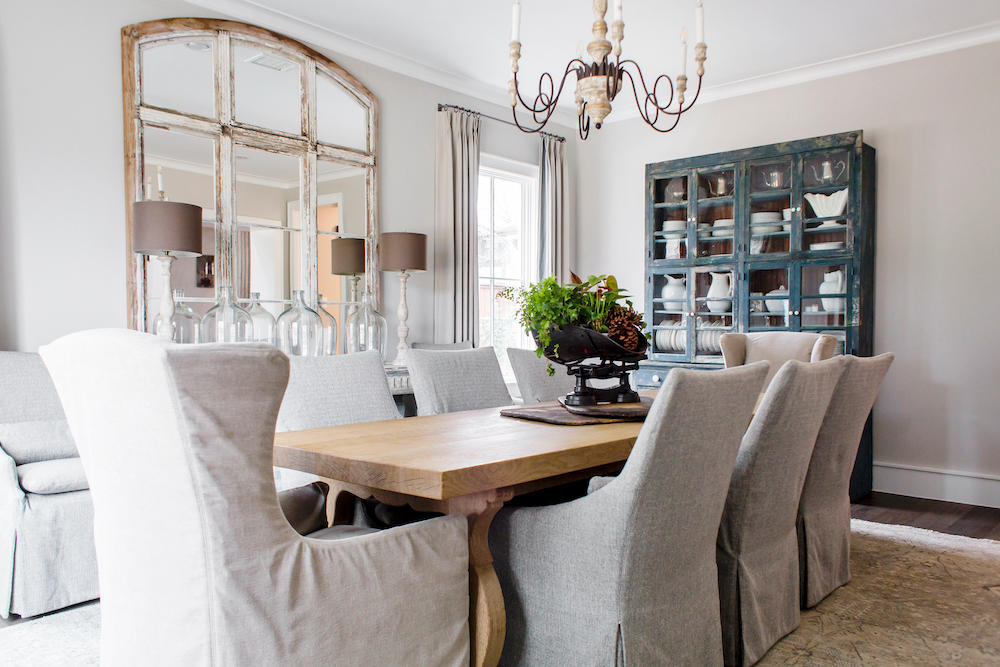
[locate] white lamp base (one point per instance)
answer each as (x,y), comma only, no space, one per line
(165,327)
(403,332)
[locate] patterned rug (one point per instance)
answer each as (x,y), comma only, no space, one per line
(916,597)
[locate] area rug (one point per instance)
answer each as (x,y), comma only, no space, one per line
(916,597)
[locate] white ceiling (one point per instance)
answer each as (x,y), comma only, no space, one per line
(752,45)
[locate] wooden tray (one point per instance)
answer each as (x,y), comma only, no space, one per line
(557,413)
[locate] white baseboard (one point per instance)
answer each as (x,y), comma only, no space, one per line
(951,485)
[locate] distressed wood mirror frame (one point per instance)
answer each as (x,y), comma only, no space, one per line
(227,133)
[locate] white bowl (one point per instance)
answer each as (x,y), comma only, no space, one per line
(825,206)
(674,225)
(827,245)
(786,214)
(764,229)
(765,216)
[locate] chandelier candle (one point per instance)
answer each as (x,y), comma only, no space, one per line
(599,81)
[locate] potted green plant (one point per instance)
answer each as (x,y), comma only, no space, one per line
(589,326)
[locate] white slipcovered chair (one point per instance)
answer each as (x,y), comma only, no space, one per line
(776,347)
(626,575)
(533,379)
(460,345)
(824,522)
(197,564)
(47,558)
(757,548)
(449,381)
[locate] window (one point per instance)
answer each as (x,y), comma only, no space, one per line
(508,250)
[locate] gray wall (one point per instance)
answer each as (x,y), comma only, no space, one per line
(933,122)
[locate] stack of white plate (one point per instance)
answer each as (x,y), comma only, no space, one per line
(725,225)
(827,245)
(673,339)
(760,222)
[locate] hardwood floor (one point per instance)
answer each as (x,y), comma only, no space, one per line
(944,517)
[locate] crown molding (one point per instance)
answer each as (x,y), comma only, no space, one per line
(919,48)
(250,11)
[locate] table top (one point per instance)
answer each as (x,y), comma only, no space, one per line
(454,454)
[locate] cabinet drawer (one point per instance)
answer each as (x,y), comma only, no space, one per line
(650,378)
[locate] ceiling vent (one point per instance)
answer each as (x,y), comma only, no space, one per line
(270,61)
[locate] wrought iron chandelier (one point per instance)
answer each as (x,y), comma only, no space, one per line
(600,81)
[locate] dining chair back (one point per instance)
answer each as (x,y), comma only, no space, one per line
(533,379)
(824,521)
(627,573)
(197,564)
(757,549)
(460,345)
(449,381)
(776,347)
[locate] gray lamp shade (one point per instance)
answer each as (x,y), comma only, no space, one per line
(347,257)
(166,227)
(403,251)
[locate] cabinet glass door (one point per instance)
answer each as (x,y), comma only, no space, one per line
(769,300)
(714,309)
(824,304)
(671,306)
(670,216)
(825,207)
(770,211)
(716,212)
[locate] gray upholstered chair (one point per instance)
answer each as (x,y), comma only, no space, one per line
(824,522)
(626,575)
(449,381)
(460,345)
(47,558)
(330,391)
(197,564)
(533,379)
(776,347)
(757,548)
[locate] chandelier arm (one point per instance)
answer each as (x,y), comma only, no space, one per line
(644,112)
(650,96)
(547,107)
(583,123)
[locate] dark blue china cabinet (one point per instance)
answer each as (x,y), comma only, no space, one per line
(772,238)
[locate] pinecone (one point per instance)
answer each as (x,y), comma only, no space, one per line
(623,327)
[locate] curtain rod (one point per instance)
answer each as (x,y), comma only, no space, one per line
(499,120)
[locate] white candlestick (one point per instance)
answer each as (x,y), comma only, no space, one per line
(618,10)
(515,29)
(699,16)
(159,179)
(684,52)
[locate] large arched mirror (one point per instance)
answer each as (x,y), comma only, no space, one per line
(274,141)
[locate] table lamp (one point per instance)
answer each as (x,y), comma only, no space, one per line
(405,252)
(166,230)
(347,258)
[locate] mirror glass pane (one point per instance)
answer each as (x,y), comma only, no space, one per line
(341,212)
(183,166)
(340,119)
(180,75)
(266,88)
(268,249)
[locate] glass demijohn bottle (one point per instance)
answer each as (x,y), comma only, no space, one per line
(329,327)
(263,320)
(366,328)
(226,321)
(300,329)
(186,321)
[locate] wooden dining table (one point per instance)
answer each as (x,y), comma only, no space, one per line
(467,463)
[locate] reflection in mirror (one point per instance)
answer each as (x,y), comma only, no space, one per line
(267,249)
(266,88)
(179,75)
(182,167)
(340,119)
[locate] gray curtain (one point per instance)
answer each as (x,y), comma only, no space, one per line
(456,274)
(552,210)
